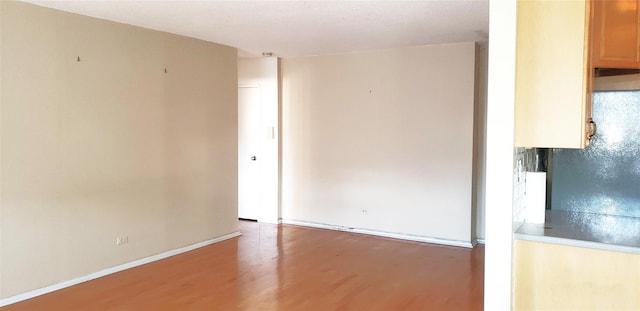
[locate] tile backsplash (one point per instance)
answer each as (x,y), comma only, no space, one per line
(523,160)
(603,178)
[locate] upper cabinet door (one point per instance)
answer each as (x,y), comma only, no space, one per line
(616,37)
(553,74)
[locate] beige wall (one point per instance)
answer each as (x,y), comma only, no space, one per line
(110,145)
(1,117)
(388,131)
(263,73)
(559,277)
(480,136)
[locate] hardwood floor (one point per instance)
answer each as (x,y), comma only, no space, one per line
(288,268)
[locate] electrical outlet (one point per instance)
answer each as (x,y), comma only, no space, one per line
(364,211)
(122,240)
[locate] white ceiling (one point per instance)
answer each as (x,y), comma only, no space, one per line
(299,28)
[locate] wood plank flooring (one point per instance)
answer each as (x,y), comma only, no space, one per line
(288,268)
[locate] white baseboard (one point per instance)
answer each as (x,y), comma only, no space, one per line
(400,236)
(269,221)
(101,273)
(480,241)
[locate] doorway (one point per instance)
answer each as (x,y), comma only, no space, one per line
(258,135)
(249,192)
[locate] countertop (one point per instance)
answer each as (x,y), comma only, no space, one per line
(613,233)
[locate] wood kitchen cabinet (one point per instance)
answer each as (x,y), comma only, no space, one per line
(561,277)
(616,35)
(553,74)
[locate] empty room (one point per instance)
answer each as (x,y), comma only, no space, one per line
(303,155)
(345,136)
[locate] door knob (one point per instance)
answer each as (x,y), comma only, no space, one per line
(253,158)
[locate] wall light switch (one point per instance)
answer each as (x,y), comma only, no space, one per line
(269,132)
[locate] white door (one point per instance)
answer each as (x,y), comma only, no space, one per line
(248,152)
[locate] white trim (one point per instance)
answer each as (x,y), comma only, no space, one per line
(269,221)
(101,273)
(480,241)
(400,236)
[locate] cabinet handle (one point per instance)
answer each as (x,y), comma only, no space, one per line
(591,128)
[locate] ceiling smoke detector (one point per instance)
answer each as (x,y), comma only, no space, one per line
(267,54)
